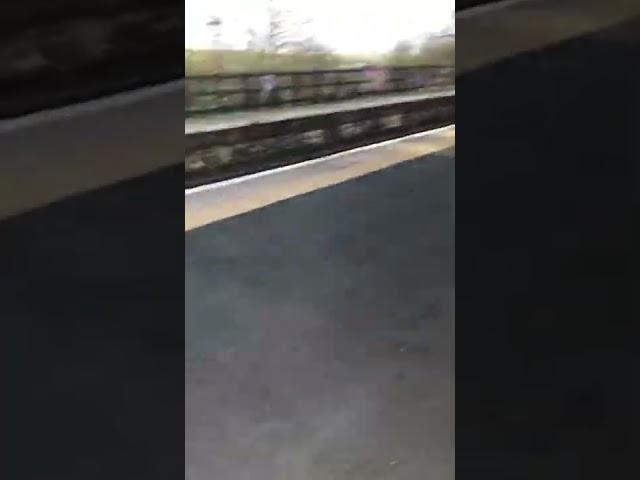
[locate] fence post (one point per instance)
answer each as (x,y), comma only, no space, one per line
(246,87)
(295,86)
(321,80)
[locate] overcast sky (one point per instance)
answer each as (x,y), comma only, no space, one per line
(348,26)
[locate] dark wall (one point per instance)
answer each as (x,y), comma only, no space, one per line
(76,50)
(547,175)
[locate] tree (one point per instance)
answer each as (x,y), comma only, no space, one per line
(316,53)
(284,34)
(440,51)
(403,48)
(278,33)
(277,37)
(214,24)
(403,53)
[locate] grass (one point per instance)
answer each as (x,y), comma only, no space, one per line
(202,62)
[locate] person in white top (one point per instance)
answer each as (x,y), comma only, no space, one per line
(268,83)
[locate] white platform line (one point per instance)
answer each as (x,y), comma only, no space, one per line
(274,171)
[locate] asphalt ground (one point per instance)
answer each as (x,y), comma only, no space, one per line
(319,333)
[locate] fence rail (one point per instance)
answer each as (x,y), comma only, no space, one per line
(246,91)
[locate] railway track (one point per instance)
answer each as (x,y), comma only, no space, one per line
(235,151)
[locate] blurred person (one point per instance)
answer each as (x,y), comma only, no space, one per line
(376,77)
(268,84)
(380,79)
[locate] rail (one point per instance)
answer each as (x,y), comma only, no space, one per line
(225,153)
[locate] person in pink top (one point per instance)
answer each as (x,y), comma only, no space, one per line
(376,76)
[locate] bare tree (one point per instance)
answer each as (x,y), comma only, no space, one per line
(283,34)
(278,34)
(214,24)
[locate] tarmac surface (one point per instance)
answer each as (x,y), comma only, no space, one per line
(319,333)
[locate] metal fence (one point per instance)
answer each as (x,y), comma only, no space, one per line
(245,91)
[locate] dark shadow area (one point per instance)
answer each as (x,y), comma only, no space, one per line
(92,300)
(547,177)
(56,53)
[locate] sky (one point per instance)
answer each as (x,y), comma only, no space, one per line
(347,26)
